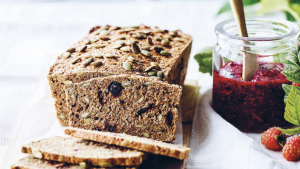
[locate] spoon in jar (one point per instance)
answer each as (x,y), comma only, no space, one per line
(250,65)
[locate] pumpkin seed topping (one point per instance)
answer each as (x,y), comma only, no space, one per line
(125,49)
(99,46)
(159,38)
(126,83)
(131,59)
(71,50)
(135,48)
(157,48)
(165,53)
(117,46)
(87,62)
(146,48)
(168,37)
(103,33)
(160,74)
(154,64)
(129,29)
(165,42)
(179,39)
(75,60)
(149,40)
(127,66)
(98,55)
(94,40)
(157,30)
(173,33)
(152,73)
(110,56)
(149,68)
(147,83)
(155,77)
(121,37)
(86,41)
(66,55)
(96,63)
(83,49)
(87,56)
(121,42)
(146,53)
(85,113)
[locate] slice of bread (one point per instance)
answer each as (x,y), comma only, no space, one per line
(138,143)
(29,162)
(75,151)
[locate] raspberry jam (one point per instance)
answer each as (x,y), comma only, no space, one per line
(251,106)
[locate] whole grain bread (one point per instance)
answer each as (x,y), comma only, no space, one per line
(138,143)
(74,151)
(29,162)
(134,105)
(110,50)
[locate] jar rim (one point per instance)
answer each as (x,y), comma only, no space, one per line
(293,29)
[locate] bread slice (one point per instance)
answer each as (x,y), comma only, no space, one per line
(74,151)
(143,144)
(134,105)
(29,162)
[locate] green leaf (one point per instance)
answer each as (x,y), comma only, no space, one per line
(287,89)
(292,108)
(204,59)
(279,58)
(295,6)
(226,7)
(290,131)
(292,68)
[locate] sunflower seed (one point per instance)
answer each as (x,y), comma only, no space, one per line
(165,42)
(157,48)
(67,82)
(149,68)
(103,33)
(113,28)
(140,99)
(179,39)
(117,46)
(94,40)
(127,66)
(146,134)
(75,60)
(131,41)
(98,46)
(159,38)
(98,55)
(121,37)
(121,42)
(87,56)
(87,62)
(66,55)
(146,53)
(104,38)
(83,49)
(129,29)
(131,59)
(155,77)
(154,64)
(71,50)
(157,30)
(86,121)
(89,46)
(138,125)
(110,56)
(82,165)
(159,117)
(106,164)
(168,37)
(96,63)
(173,33)
(86,100)
(149,40)
(85,114)
(141,35)
(146,48)
(135,48)
(147,83)
(152,73)
(160,74)
(165,53)
(86,41)
(125,49)
(62,116)
(126,83)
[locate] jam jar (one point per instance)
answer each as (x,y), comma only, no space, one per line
(258,104)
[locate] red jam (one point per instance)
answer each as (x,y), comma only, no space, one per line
(251,106)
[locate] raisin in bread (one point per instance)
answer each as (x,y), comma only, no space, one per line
(30,162)
(109,50)
(134,105)
(138,143)
(74,151)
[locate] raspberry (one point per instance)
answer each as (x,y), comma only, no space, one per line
(273,139)
(291,150)
(296,84)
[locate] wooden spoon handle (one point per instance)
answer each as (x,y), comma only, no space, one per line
(238,12)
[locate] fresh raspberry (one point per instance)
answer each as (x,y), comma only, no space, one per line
(296,84)
(291,150)
(272,139)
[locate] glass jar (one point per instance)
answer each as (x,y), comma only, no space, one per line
(255,105)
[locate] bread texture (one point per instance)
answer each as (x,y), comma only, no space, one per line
(74,151)
(138,143)
(29,162)
(135,105)
(110,50)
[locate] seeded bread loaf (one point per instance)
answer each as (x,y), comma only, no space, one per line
(30,162)
(74,151)
(110,50)
(138,143)
(134,105)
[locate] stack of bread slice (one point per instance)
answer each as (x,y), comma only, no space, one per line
(94,149)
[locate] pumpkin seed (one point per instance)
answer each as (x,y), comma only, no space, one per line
(96,63)
(87,62)
(83,49)
(98,55)
(71,50)
(117,46)
(159,38)
(141,35)
(89,46)
(165,53)
(126,83)
(165,42)
(67,82)
(86,41)
(135,48)
(127,66)
(168,37)
(146,53)
(62,116)
(87,56)
(86,121)
(157,30)
(138,125)
(149,40)
(140,100)
(179,39)
(85,114)
(129,29)
(147,83)
(86,100)
(146,48)
(152,73)
(66,55)
(154,64)
(131,59)
(159,128)
(104,38)
(99,46)
(82,165)
(149,68)
(103,33)
(109,56)
(124,142)
(75,60)
(157,48)
(36,153)
(106,164)
(173,33)
(94,40)
(121,37)
(131,41)
(159,117)
(146,134)
(106,27)
(121,42)
(160,74)
(113,28)
(155,77)
(125,49)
